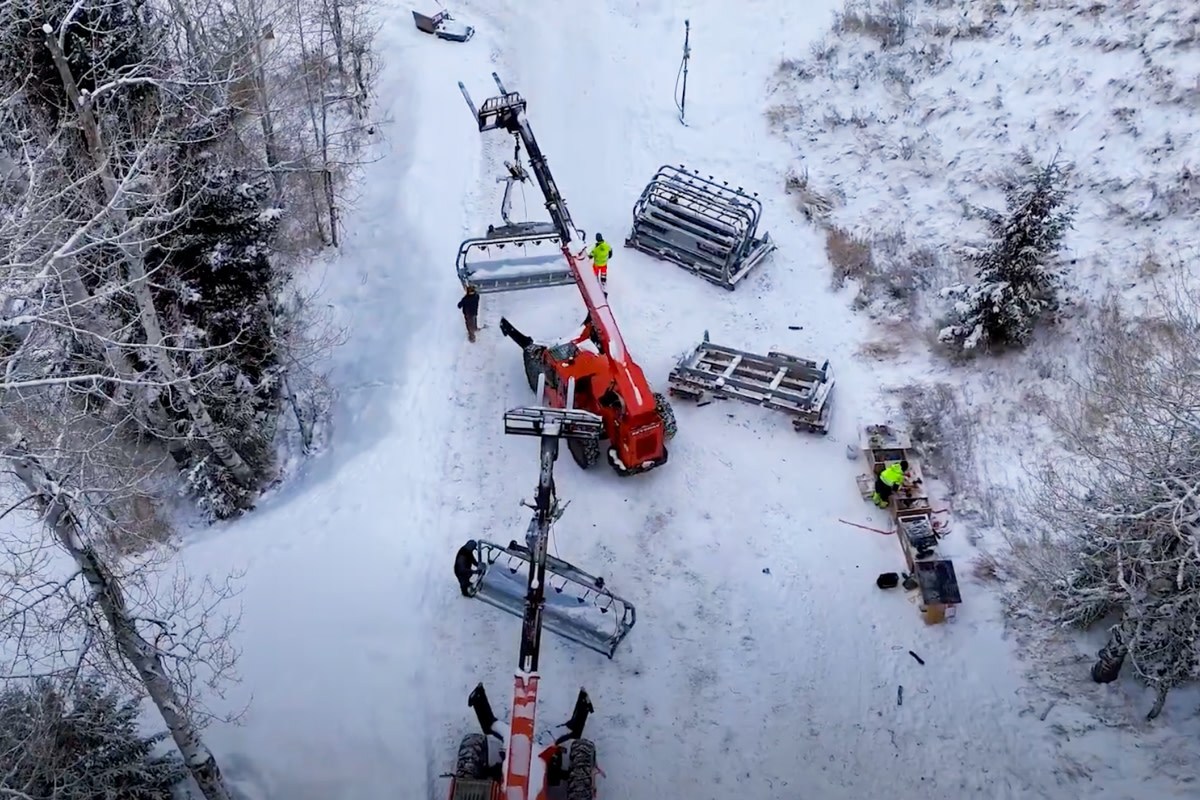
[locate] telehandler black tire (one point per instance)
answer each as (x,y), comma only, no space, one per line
(663,406)
(586,452)
(533,355)
(581,777)
(472,757)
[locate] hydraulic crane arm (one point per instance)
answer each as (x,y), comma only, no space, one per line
(505,112)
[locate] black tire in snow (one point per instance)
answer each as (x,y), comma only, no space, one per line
(581,778)
(663,406)
(586,452)
(533,365)
(472,757)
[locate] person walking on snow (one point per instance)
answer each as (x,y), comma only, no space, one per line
(599,256)
(470,309)
(887,482)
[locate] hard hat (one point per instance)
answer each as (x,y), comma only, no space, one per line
(599,238)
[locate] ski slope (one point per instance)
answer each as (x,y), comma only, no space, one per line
(765,663)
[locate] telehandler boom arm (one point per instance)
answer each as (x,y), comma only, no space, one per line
(551,424)
(505,112)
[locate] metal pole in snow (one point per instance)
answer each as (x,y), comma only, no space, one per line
(687,51)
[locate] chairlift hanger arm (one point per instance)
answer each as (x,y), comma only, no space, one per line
(505,112)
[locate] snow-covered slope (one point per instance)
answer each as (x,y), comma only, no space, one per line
(765,663)
(906,137)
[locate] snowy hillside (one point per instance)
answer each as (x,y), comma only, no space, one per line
(765,662)
(905,137)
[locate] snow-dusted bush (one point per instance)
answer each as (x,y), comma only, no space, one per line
(886,21)
(79,741)
(942,430)
(1019,277)
(1118,521)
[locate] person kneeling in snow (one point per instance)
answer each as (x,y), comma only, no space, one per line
(466,566)
(887,482)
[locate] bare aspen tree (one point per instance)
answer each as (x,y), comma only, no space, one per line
(333,10)
(132,250)
(252,23)
(127,189)
(145,659)
(38,273)
(315,74)
(1117,519)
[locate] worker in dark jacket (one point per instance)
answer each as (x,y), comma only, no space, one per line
(887,482)
(465,566)
(470,309)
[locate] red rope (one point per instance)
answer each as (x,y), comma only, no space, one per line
(865,527)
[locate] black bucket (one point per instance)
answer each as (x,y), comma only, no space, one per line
(888,580)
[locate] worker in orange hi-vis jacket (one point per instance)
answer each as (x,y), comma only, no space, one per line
(599,256)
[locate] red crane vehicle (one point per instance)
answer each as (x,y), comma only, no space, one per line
(608,382)
(578,606)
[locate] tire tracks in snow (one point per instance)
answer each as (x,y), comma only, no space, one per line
(734,681)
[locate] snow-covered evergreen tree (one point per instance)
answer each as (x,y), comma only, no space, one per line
(138,209)
(217,290)
(1018,276)
(80,741)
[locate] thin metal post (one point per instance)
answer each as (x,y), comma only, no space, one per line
(687,51)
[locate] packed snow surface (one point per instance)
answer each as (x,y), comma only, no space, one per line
(765,662)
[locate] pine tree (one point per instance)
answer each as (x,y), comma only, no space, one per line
(1019,279)
(217,291)
(80,741)
(103,40)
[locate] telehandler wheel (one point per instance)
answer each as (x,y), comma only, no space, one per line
(663,406)
(472,757)
(586,452)
(532,356)
(581,778)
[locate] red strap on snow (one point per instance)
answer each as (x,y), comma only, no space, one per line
(865,527)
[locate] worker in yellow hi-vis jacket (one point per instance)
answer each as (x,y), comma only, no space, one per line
(599,256)
(887,482)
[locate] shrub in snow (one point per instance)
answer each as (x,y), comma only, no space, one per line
(79,741)
(1119,525)
(1018,275)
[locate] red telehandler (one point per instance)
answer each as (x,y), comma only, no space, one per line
(565,767)
(608,382)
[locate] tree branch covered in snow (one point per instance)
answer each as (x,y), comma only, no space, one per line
(75,606)
(141,274)
(79,739)
(1118,520)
